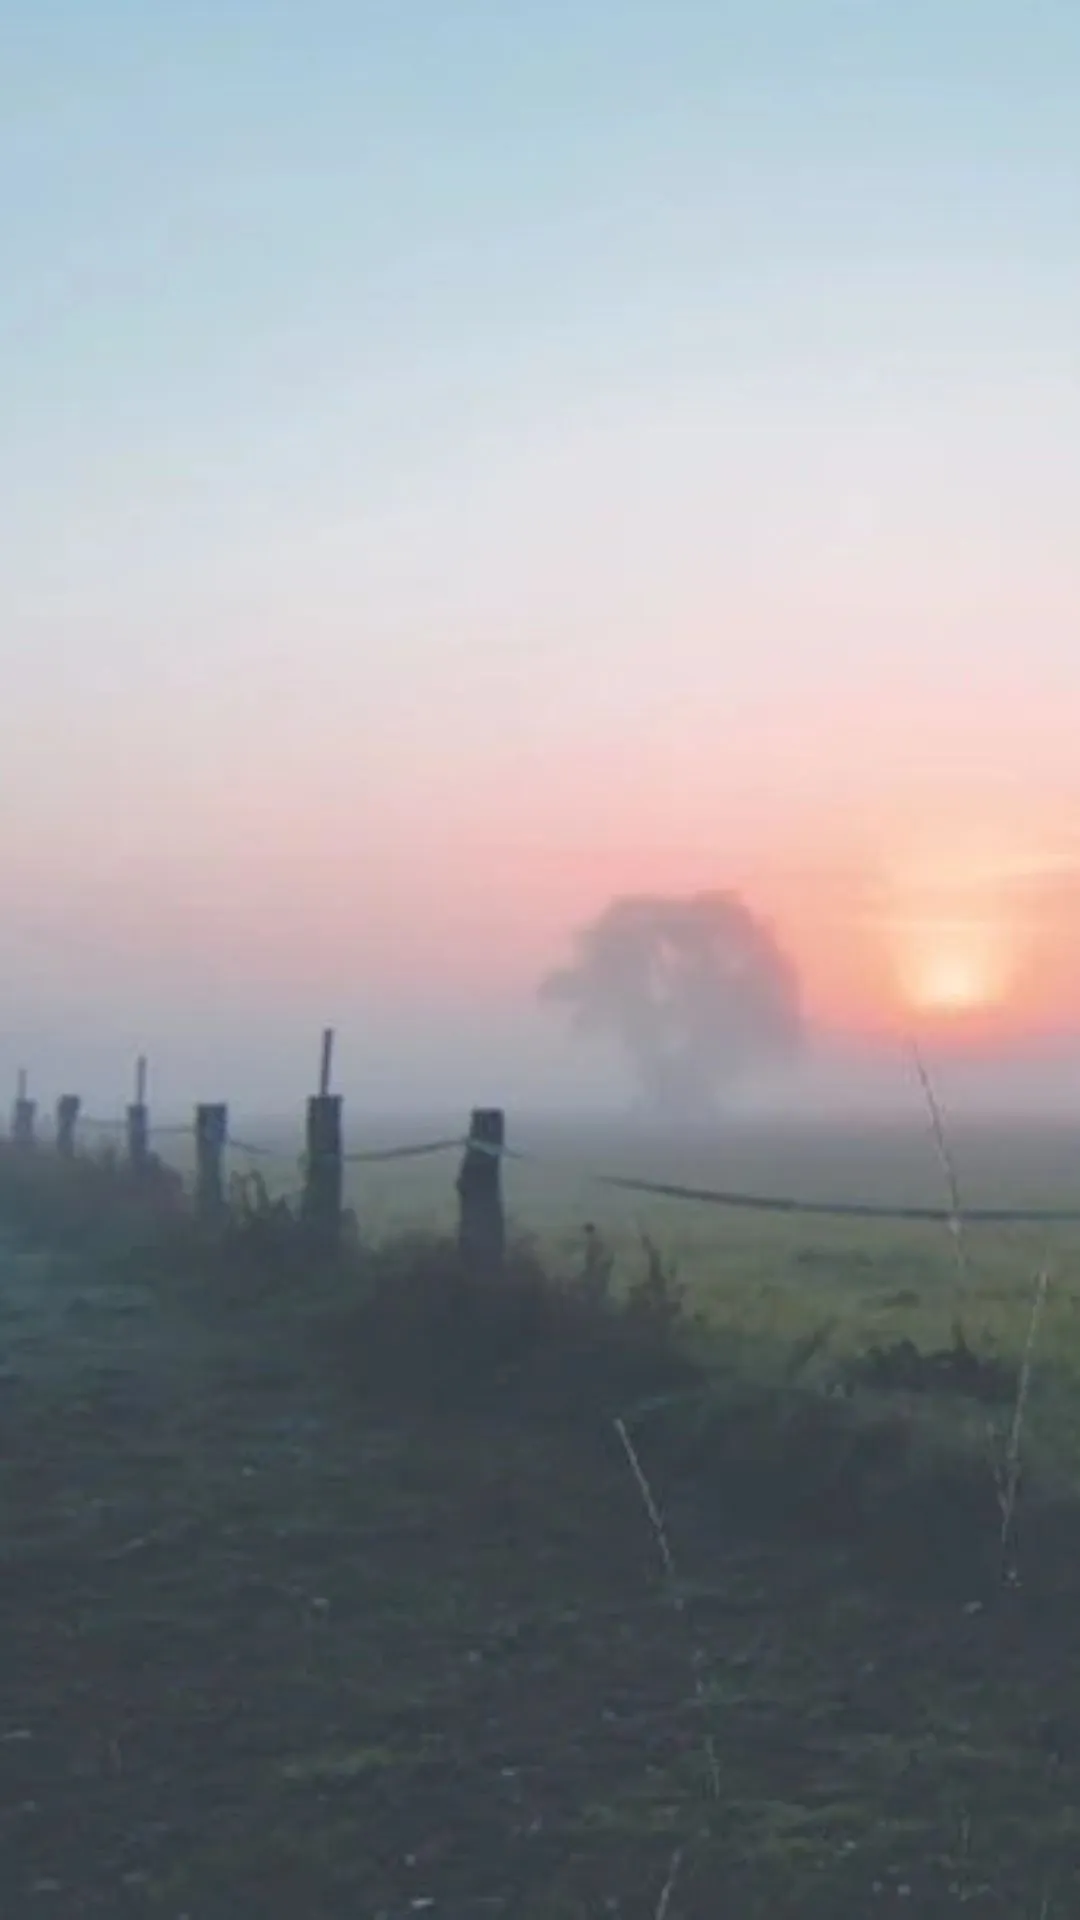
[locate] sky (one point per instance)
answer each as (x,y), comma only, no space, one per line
(462,462)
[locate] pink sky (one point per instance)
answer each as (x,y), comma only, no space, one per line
(669,478)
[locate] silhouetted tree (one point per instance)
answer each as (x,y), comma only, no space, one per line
(696,990)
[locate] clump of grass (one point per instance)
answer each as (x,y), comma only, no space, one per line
(598,1264)
(415,1319)
(953,1370)
(656,1300)
(94,1204)
(906,1490)
(260,1246)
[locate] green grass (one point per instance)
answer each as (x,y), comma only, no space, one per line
(316,1601)
(770,1281)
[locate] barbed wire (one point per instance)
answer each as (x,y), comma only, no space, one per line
(372,1155)
(365,1156)
(843,1209)
(256,1152)
(790,1204)
(729,1198)
(733,1199)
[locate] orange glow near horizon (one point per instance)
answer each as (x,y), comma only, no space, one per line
(963,933)
(976,937)
(971,937)
(953,968)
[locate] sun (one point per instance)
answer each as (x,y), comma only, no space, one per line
(952,977)
(953,959)
(956,969)
(960,922)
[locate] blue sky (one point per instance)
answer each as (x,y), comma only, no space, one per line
(481,432)
(279,258)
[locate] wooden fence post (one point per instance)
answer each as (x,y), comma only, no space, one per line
(138,1122)
(24,1114)
(67,1119)
(326,1062)
(211,1134)
(324,1168)
(482,1223)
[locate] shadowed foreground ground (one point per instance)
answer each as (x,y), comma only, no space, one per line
(267,1656)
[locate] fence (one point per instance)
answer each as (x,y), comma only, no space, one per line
(483,1146)
(482,1224)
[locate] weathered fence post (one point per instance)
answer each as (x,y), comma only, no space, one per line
(67,1119)
(211,1134)
(324,1169)
(138,1122)
(24,1114)
(482,1223)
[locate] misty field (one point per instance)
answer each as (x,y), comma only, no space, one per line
(769,1280)
(290,1632)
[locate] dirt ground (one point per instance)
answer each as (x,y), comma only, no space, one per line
(265,1654)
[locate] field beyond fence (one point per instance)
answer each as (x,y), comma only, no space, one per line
(538,1522)
(888,1234)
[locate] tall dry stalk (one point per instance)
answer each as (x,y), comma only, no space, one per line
(667,1891)
(1009,1473)
(677,1597)
(940,1136)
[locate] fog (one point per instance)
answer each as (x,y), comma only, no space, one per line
(261,1054)
(625,495)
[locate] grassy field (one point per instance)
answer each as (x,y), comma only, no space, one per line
(288,1632)
(770,1280)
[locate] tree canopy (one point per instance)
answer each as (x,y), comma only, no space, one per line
(696,990)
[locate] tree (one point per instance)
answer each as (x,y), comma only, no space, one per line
(697,991)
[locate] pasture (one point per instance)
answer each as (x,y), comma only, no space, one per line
(278,1643)
(768,1281)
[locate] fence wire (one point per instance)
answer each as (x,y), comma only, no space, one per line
(731,1199)
(372,1155)
(255,1152)
(789,1204)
